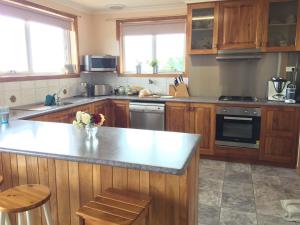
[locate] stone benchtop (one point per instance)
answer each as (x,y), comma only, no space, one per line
(157,151)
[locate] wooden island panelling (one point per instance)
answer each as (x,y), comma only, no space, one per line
(175,198)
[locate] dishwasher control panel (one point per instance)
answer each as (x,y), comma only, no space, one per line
(146,107)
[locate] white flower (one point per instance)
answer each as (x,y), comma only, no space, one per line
(85,118)
(78,116)
(77,124)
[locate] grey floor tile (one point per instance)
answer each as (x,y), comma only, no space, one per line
(238,188)
(270,208)
(210,197)
(209,173)
(244,194)
(272,220)
(290,183)
(265,170)
(232,217)
(265,193)
(208,215)
(238,177)
(238,202)
(285,172)
(238,167)
(261,179)
(211,184)
(212,164)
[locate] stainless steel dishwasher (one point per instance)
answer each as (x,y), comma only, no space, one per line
(148,116)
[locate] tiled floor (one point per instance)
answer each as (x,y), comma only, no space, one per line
(244,194)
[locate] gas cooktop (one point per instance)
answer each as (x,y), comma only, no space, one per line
(238,98)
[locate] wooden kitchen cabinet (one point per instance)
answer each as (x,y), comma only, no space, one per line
(103,107)
(178,117)
(65,116)
(193,118)
(281,25)
(202,28)
(279,135)
(120,112)
(59,117)
(203,121)
(88,108)
(239,24)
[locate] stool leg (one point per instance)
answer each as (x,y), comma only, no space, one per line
(20,219)
(7,220)
(2,218)
(28,218)
(47,213)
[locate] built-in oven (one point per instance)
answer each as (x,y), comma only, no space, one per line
(238,127)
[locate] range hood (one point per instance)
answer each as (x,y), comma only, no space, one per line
(239,54)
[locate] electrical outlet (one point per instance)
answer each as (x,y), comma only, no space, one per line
(290,69)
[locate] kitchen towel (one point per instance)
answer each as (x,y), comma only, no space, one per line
(292,209)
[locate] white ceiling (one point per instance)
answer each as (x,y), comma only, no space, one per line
(100,5)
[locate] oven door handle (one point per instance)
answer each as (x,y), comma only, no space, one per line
(237,118)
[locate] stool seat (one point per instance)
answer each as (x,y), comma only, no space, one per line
(23,198)
(115,207)
(1,179)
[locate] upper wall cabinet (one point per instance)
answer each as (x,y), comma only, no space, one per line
(281,25)
(202,33)
(239,26)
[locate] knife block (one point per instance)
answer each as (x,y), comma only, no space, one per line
(180,91)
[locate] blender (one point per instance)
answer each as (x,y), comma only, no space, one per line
(277,89)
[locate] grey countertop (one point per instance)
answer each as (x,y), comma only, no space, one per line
(23,114)
(165,152)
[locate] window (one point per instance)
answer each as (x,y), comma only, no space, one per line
(35,43)
(146,43)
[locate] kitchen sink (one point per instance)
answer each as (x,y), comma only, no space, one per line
(41,107)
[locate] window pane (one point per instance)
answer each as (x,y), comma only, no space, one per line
(138,49)
(48,48)
(170,50)
(13,56)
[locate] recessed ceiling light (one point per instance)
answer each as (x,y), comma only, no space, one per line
(115,6)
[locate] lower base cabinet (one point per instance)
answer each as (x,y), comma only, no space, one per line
(120,113)
(193,118)
(279,135)
(104,108)
(203,122)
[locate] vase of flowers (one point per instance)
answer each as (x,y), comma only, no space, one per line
(89,122)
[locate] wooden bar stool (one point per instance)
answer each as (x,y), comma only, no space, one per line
(1,179)
(115,207)
(22,199)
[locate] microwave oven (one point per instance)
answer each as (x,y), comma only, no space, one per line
(98,63)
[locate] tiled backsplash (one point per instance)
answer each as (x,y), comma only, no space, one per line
(28,92)
(159,86)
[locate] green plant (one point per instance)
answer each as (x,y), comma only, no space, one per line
(154,63)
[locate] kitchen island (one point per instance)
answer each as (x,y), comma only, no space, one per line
(161,164)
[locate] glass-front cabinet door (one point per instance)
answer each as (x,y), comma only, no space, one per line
(280,32)
(202,28)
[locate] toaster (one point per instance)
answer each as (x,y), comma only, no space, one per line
(102,89)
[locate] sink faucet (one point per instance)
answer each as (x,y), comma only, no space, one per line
(58,98)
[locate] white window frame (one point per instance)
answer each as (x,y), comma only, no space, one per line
(120,38)
(30,72)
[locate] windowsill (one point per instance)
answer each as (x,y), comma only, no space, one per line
(152,74)
(20,77)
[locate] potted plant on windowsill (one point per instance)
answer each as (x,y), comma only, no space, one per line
(154,65)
